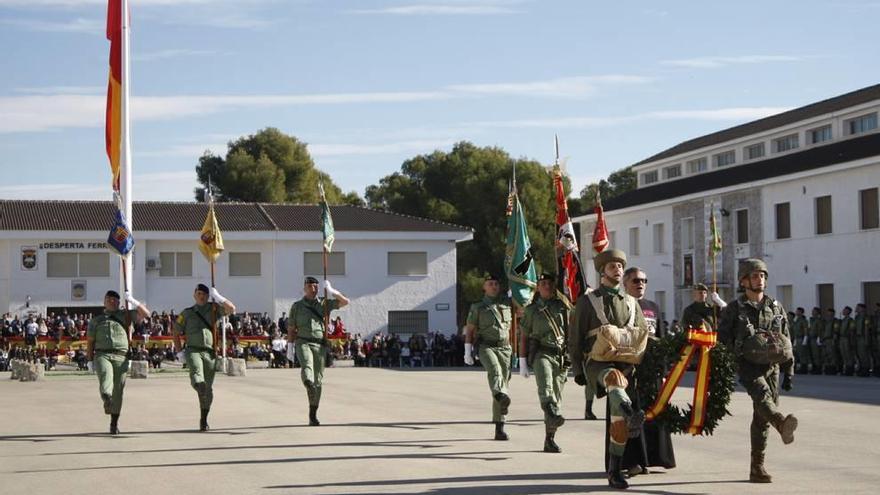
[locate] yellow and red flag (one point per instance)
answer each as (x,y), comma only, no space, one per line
(210,239)
(113,122)
(600,232)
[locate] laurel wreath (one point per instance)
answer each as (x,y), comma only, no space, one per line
(660,357)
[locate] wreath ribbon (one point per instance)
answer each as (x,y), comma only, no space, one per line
(699,341)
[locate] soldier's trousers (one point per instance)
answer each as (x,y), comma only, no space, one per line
(802,355)
(111,370)
(764,391)
(615,384)
(590,387)
(201,366)
(550,378)
(875,353)
(311,360)
(496,361)
(832,357)
(847,353)
(815,354)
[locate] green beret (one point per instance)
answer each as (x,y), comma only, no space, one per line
(701,287)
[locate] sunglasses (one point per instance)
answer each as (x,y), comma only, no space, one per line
(640,281)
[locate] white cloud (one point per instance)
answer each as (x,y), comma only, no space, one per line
(135,3)
(68,90)
(337,149)
(562,87)
(172,53)
(715,62)
(720,114)
(441,9)
(76,25)
(164,186)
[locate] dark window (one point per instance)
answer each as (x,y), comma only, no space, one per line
(783,221)
(742,226)
(869,207)
(407,322)
(823,215)
(825,293)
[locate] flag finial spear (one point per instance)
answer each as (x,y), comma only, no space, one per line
(556,141)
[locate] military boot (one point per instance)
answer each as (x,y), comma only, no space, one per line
(203,421)
(588,412)
(550,445)
(114,424)
(499,431)
(785,425)
(503,402)
(615,475)
(106,399)
(554,420)
(757,474)
(313,416)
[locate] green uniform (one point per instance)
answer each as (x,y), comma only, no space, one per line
(620,309)
(545,325)
(201,359)
(830,342)
(800,343)
(739,321)
(814,335)
(491,317)
(697,314)
(863,330)
(847,345)
(307,316)
(111,354)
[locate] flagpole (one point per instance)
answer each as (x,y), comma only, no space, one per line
(125,145)
(128,329)
(325,305)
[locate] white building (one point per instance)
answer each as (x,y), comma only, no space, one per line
(399,271)
(798,189)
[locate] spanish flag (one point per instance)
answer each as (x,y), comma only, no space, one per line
(210,240)
(113,122)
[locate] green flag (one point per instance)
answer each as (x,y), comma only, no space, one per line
(714,235)
(519,265)
(326,220)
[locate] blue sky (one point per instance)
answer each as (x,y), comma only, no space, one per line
(370,83)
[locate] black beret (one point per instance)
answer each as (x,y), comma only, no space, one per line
(311,280)
(203,288)
(547,276)
(112,293)
(492,276)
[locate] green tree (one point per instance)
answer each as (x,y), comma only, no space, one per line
(469,186)
(268,166)
(617,183)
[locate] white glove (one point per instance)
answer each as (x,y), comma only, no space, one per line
(181,357)
(717,300)
(523,368)
(90,366)
(132,302)
(469,354)
(217,296)
(329,288)
(290,352)
(806,340)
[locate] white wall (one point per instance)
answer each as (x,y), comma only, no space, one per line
(846,258)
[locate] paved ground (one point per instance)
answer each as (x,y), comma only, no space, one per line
(413,432)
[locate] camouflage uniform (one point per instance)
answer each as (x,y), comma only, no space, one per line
(800,342)
(863,331)
(741,321)
(847,344)
(814,336)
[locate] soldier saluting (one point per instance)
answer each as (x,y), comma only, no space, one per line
(544,328)
(488,324)
(306,337)
(108,349)
(609,327)
(196,324)
(755,327)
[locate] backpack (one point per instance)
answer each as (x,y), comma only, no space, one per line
(765,345)
(613,343)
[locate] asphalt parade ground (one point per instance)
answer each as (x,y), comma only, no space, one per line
(400,432)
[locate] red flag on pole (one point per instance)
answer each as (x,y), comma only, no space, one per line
(600,232)
(113,122)
(570,277)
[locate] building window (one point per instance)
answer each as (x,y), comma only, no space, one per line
(244,264)
(861,124)
(659,241)
(698,165)
(408,264)
(783,220)
(313,263)
(820,134)
(825,295)
(401,322)
(612,239)
(754,151)
(649,177)
(175,264)
(870,212)
(687,270)
(634,241)
(724,159)
(687,234)
(786,143)
(823,215)
(742,227)
(784,296)
(68,265)
(871,294)
(672,172)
